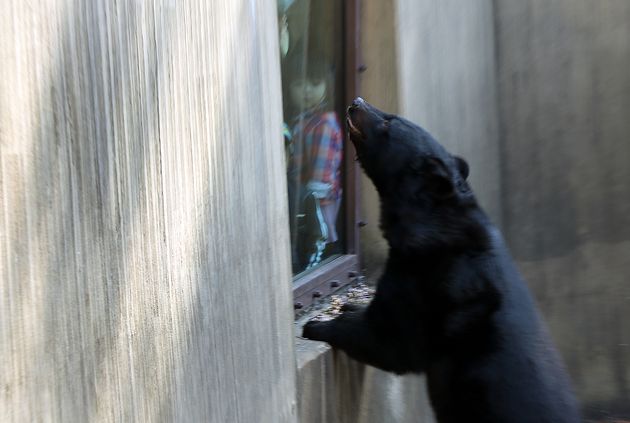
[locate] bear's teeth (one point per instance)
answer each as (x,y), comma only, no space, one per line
(352,127)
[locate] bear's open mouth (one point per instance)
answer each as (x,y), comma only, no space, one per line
(356,136)
(355,133)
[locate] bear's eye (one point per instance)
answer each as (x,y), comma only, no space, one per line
(416,166)
(383,127)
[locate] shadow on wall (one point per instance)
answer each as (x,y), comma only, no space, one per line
(119,194)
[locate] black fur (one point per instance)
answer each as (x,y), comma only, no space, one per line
(450,303)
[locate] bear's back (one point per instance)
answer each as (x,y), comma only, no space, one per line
(521,377)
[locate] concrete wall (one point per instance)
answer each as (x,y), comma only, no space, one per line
(332,388)
(144,259)
(434,63)
(379,85)
(565,130)
(447,83)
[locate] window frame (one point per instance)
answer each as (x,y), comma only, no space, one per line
(343,270)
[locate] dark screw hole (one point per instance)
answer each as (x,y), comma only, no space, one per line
(334,284)
(362,68)
(298,306)
(317,294)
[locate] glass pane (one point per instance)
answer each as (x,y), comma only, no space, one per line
(312,78)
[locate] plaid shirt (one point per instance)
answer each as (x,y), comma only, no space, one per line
(317,151)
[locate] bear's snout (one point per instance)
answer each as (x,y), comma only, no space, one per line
(362,118)
(357,103)
(354,120)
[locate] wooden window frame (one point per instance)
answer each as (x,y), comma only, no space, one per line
(343,270)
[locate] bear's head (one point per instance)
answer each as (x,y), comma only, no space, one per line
(425,199)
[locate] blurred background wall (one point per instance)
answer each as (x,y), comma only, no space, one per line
(564,103)
(144,260)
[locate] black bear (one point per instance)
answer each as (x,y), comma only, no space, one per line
(450,303)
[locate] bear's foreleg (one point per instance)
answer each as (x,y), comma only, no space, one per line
(353,333)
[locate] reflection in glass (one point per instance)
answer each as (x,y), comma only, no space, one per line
(310,40)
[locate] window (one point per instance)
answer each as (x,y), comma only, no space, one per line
(318,45)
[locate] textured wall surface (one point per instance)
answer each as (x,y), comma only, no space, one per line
(144,256)
(447,83)
(434,63)
(565,130)
(332,388)
(379,86)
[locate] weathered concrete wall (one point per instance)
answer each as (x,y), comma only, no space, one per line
(447,83)
(565,130)
(379,86)
(434,63)
(332,388)
(144,260)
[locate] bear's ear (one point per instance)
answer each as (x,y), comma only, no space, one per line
(462,167)
(441,181)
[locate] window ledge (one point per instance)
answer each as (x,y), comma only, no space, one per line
(328,279)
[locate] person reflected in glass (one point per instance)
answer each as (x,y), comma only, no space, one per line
(315,160)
